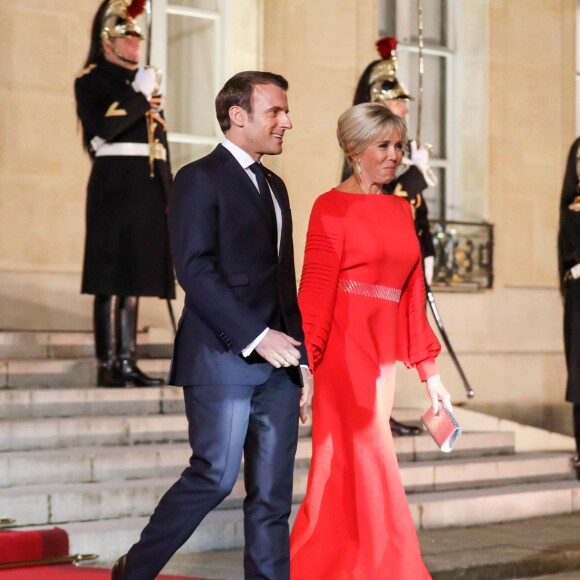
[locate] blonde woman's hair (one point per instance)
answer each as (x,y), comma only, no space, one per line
(363,124)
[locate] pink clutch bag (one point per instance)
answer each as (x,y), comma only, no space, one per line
(443,427)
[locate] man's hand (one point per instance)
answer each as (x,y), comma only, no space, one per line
(279,349)
(306,394)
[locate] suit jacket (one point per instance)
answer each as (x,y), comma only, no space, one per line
(235,281)
(569,232)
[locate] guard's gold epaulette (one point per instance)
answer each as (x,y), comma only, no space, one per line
(86,70)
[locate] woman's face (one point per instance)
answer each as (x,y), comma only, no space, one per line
(379,161)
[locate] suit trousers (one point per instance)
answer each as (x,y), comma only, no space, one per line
(225,422)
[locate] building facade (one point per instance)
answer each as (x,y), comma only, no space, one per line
(504,115)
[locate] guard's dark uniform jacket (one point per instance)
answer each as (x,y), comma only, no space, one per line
(568,257)
(411,185)
(127,246)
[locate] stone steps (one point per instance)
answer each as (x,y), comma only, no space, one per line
(223,528)
(81,430)
(100,462)
(48,433)
(112,498)
(95,461)
(61,372)
(104,463)
(24,402)
(468,507)
(71,344)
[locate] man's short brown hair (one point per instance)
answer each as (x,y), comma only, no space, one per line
(238,92)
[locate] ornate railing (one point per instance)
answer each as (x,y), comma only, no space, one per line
(463,255)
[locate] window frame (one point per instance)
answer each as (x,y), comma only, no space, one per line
(450,201)
(160,10)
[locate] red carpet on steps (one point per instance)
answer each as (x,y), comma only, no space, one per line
(68,572)
(16,545)
(20,545)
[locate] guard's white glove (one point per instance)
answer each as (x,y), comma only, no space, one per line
(145,81)
(420,158)
(437,392)
(428,267)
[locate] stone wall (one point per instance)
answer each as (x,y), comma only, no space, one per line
(514,123)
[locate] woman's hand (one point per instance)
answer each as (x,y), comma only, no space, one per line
(306,394)
(437,392)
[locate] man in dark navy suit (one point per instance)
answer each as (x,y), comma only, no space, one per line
(238,349)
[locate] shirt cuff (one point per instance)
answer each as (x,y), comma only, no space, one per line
(251,347)
(427,368)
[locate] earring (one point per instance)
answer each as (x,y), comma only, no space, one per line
(358,167)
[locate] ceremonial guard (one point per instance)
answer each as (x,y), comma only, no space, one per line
(127,251)
(569,267)
(379,84)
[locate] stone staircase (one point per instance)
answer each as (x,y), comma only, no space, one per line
(96,461)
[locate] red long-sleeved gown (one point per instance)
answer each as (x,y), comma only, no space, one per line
(362,299)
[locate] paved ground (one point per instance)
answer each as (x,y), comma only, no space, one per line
(543,548)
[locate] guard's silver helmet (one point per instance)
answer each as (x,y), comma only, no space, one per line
(119,20)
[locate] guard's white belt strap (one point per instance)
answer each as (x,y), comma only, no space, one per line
(131,149)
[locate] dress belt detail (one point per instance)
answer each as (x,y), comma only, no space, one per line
(131,150)
(369,290)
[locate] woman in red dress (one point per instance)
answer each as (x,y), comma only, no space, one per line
(362,299)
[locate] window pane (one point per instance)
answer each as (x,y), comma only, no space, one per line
(183,153)
(199,4)
(388,18)
(433,108)
(404,22)
(191,75)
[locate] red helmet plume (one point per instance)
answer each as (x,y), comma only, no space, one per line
(136,8)
(386,45)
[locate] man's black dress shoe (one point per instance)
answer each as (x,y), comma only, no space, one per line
(118,571)
(401,430)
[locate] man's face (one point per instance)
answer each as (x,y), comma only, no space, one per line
(263,130)
(129,48)
(398,107)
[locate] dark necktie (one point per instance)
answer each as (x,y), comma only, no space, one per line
(258,170)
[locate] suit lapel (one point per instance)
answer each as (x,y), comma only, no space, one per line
(247,188)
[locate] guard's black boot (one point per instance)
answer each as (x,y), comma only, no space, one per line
(401,430)
(127,336)
(133,374)
(108,374)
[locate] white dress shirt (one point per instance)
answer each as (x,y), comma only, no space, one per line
(245,160)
